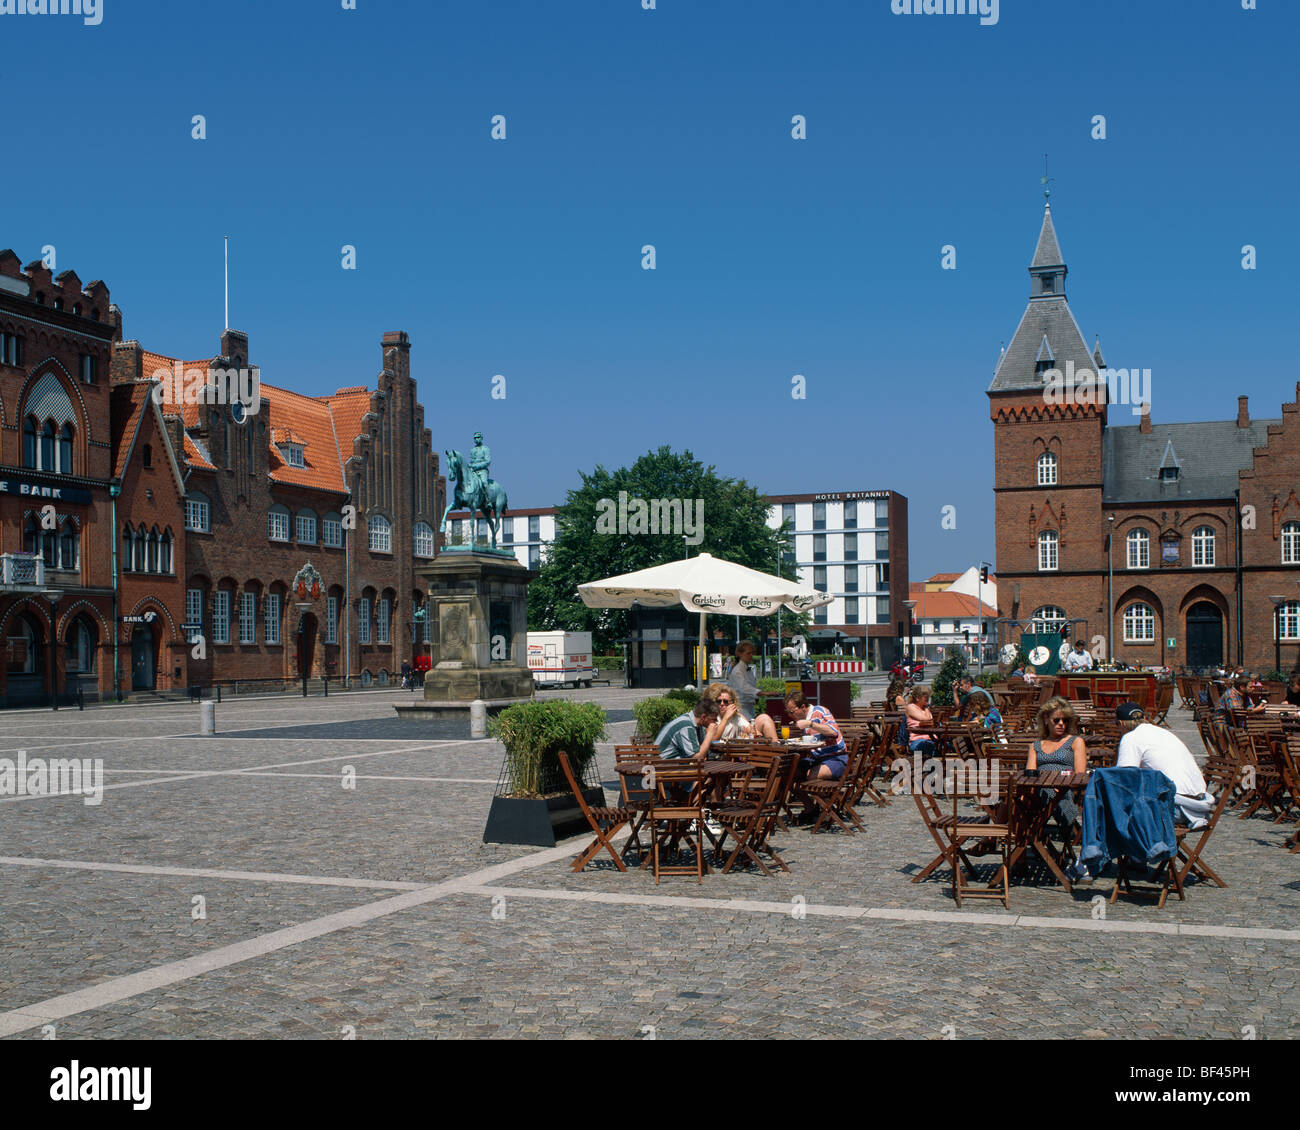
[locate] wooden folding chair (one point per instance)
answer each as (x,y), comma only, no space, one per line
(872,764)
(636,797)
(605,822)
(677,802)
(831,797)
(750,823)
(978,833)
(1164,700)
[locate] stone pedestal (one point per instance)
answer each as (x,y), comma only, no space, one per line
(478,627)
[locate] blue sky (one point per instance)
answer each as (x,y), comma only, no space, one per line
(672,127)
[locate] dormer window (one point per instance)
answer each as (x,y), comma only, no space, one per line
(1168,474)
(292,453)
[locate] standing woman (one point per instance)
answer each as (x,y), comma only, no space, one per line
(744,679)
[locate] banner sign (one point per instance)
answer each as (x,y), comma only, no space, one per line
(17,484)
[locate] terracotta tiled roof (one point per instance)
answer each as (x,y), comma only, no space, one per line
(193,456)
(943,578)
(128,405)
(949,606)
(324,426)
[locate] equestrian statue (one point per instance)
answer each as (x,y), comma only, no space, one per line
(475,491)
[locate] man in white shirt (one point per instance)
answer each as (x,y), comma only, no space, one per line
(1145,746)
(1078,659)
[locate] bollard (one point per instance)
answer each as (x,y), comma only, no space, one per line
(478,719)
(325,686)
(207,718)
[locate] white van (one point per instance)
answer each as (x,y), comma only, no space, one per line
(560,658)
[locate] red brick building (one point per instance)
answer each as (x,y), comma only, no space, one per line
(86,475)
(1203,519)
(346,485)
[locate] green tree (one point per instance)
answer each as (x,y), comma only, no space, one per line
(733,526)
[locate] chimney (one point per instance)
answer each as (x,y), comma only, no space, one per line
(396,345)
(1144,424)
(1243,412)
(127,363)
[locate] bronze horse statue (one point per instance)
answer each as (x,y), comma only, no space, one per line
(473,494)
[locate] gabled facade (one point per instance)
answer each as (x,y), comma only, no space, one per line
(1187,508)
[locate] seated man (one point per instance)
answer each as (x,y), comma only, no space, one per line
(690,734)
(1237,697)
(829,759)
(973,700)
(1078,659)
(1144,746)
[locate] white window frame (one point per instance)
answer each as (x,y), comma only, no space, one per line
(248,617)
(423,539)
(1049,551)
(221,616)
(1047,469)
(383,621)
(363,620)
(380,531)
(331,619)
(194,613)
(271,617)
(1043,624)
(1287,627)
(1137,549)
(304,520)
(198,515)
(1291,543)
(1139,615)
(1203,547)
(332,531)
(277,525)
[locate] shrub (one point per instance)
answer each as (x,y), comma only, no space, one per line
(534,733)
(608,662)
(653,714)
(952,668)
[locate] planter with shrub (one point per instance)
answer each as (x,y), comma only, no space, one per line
(533,802)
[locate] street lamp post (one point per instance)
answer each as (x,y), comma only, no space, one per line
(54,596)
(1110,588)
(910,605)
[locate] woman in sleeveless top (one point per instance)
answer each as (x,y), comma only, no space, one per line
(1059,746)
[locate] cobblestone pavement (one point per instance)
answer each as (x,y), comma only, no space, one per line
(234,887)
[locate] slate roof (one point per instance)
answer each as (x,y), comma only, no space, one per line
(1047,317)
(1209,455)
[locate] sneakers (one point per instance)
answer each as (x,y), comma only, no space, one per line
(1079,873)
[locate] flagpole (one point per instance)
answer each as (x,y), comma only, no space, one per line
(227,323)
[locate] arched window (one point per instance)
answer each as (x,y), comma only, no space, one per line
(423,539)
(30,428)
(1291,543)
(128,551)
(141,564)
(1203,546)
(165,552)
(65,449)
(1047,469)
(1139,549)
(48,435)
(305,527)
(381,534)
(152,553)
(278,523)
(81,646)
(1048,543)
(1047,619)
(1139,623)
(332,530)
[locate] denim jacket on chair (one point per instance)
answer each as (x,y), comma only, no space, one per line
(1129,812)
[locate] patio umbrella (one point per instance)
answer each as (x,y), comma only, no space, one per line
(703,584)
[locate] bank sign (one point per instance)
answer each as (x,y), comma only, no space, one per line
(29,489)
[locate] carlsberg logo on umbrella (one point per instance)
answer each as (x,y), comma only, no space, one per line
(700,600)
(755,602)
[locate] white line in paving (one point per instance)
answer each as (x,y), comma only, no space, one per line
(205,873)
(944,917)
(377,777)
(189,775)
(149,980)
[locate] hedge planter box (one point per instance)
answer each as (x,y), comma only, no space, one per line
(539,821)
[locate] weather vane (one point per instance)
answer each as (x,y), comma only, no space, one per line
(1046,181)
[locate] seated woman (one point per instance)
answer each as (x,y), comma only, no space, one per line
(896,695)
(920,722)
(1060,747)
(829,759)
(735,724)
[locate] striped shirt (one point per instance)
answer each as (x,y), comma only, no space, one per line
(679,738)
(831,743)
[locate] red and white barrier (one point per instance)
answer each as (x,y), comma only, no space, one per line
(841,666)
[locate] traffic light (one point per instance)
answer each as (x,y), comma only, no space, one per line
(984,574)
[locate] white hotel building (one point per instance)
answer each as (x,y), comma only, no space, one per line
(852,544)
